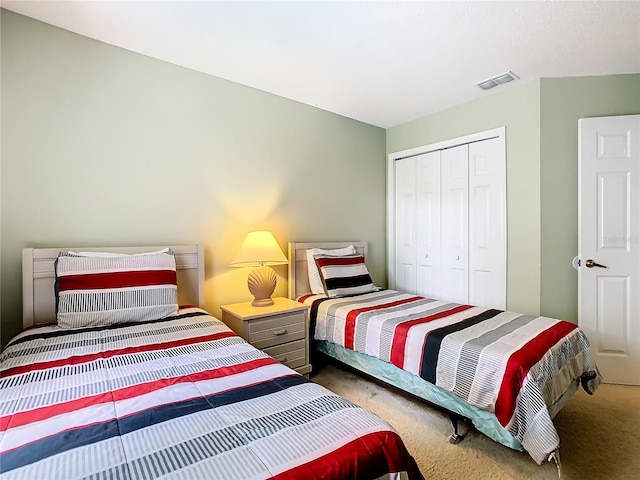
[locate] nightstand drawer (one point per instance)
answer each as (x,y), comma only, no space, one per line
(277,330)
(281,330)
(292,354)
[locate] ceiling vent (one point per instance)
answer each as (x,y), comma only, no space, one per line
(497,80)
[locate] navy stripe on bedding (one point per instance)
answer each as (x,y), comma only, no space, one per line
(75,331)
(68,440)
(432,343)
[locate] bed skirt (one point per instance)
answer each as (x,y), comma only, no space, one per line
(484,421)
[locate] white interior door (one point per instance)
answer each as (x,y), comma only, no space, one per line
(455,223)
(405,224)
(609,244)
(428,228)
(487,224)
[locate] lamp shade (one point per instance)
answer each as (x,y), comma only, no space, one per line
(259,248)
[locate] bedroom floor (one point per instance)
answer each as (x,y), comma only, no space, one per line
(599,434)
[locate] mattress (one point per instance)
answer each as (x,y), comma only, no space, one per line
(181,397)
(518,368)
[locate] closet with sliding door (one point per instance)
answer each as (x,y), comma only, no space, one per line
(447,220)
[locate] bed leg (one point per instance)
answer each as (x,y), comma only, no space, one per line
(455,436)
(555,456)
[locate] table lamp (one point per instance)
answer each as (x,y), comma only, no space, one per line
(260,250)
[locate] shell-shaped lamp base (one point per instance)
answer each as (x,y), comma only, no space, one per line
(262,283)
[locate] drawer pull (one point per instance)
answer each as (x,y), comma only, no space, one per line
(281,358)
(277,333)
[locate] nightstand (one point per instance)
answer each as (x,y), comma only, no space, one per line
(280,330)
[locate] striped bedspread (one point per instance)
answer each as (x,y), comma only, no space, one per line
(182,397)
(507,363)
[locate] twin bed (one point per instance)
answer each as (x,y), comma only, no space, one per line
(99,396)
(127,394)
(506,372)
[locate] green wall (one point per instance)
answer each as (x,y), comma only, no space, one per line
(102,146)
(105,147)
(541,120)
(562,102)
(517,109)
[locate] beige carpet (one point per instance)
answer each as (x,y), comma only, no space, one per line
(599,434)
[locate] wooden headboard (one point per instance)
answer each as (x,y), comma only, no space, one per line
(298,273)
(38,277)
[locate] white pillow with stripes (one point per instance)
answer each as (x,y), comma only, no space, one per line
(107,290)
(345,275)
(315,281)
(111,254)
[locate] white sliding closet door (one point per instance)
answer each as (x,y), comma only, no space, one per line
(428,233)
(455,224)
(405,227)
(447,229)
(487,225)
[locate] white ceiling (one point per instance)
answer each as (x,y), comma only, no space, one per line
(384,63)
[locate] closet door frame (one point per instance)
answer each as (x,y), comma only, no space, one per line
(499,133)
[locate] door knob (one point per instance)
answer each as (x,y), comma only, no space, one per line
(589,263)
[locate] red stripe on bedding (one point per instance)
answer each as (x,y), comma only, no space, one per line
(400,334)
(43,413)
(97,281)
(303,298)
(370,456)
(350,322)
(520,363)
(75,360)
(340,261)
